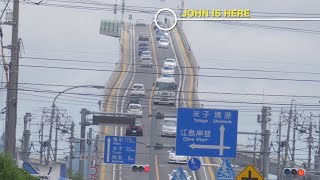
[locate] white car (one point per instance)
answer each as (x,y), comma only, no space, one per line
(169,127)
(135,109)
(173,158)
(174,172)
(146,53)
(170,62)
(140,22)
(167,70)
(163,43)
(137,89)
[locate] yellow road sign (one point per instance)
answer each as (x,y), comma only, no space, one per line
(249,173)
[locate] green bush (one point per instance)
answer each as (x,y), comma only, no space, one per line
(10,171)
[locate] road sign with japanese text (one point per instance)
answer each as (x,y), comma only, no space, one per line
(207,132)
(120,149)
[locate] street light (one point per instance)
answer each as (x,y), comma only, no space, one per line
(52,116)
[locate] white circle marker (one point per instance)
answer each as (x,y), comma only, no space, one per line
(174,23)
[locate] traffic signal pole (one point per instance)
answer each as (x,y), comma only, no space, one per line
(152,146)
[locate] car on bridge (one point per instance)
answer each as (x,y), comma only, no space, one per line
(169,127)
(143,44)
(143,37)
(135,109)
(146,53)
(170,62)
(143,48)
(137,90)
(140,22)
(175,171)
(163,43)
(173,158)
(136,130)
(134,100)
(167,70)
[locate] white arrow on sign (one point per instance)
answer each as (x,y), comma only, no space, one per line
(108,150)
(221,140)
(221,146)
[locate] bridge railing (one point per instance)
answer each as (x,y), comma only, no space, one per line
(193,62)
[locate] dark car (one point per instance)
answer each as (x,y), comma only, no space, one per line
(143,44)
(143,37)
(136,130)
(143,48)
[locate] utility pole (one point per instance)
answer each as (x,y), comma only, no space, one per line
(279,175)
(294,136)
(26,138)
(288,137)
(49,147)
(266,138)
(82,136)
(71,146)
(41,139)
(89,142)
(56,139)
(12,88)
(254,149)
(96,148)
(152,146)
(310,141)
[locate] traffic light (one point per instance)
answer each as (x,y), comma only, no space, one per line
(140,168)
(294,171)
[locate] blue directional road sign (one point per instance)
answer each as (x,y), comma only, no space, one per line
(225,172)
(179,175)
(207,132)
(194,164)
(120,149)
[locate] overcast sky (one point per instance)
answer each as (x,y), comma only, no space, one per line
(69,33)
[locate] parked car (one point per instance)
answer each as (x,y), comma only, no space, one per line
(136,130)
(169,127)
(135,109)
(140,22)
(143,37)
(173,158)
(163,43)
(170,62)
(167,70)
(137,89)
(160,35)
(175,171)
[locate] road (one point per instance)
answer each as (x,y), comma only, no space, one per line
(130,73)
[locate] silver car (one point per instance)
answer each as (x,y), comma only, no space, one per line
(163,43)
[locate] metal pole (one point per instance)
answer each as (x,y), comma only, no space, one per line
(152,147)
(56,139)
(294,136)
(26,138)
(310,140)
(288,137)
(82,136)
(41,139)
(71,147)
(96,158)
(263,128)
(89,162)
(254,149)
(50,133)
(12,88)
(279,151)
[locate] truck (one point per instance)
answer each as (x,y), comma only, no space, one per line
(165,91)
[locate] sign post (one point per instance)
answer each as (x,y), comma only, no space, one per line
(120,149)
(207,132)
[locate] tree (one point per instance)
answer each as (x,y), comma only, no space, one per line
(10,171)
